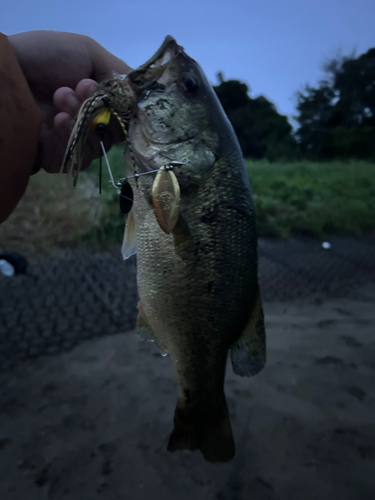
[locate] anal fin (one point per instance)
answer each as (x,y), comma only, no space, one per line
(248,353)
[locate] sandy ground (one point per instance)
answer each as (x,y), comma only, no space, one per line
(94,423)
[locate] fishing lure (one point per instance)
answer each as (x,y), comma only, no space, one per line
(115,98)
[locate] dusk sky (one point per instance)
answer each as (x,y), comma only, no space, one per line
(274,46)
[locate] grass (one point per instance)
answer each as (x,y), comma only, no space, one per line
(317,199)
(52,214)
(313,198)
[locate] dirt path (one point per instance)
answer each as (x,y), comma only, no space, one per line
(93,423)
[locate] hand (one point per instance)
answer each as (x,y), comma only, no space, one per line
(59,68)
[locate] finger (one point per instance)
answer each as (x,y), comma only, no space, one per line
(66,100)
(85,88)
(62,125)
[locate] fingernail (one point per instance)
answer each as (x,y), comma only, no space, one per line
(72,103)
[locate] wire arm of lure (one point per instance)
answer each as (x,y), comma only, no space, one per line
(170,166)
(123,187)
(108,166)
(117,186)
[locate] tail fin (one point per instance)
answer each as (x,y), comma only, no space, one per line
(210,431)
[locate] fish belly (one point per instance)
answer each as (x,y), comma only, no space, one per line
(196,286)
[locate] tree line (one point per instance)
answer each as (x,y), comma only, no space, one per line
(336,118)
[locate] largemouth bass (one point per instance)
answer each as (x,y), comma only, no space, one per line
(197,249)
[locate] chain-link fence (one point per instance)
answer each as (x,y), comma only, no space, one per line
(77,295)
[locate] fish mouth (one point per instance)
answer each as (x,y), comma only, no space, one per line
(154,76)
(163,71)
(140,78)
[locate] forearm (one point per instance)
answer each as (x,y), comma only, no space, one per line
(20,123)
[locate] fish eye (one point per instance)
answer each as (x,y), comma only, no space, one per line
(190,83)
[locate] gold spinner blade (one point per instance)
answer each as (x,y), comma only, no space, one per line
(166,198)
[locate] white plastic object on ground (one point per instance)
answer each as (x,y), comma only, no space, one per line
(326,245)
(5,268)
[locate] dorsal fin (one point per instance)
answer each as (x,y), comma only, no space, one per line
(248,353)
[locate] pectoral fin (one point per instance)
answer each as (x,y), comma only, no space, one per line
(129,243)
(166,199)
(248,354)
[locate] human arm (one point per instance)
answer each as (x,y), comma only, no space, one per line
(53,73)
(20,125)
